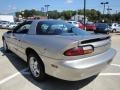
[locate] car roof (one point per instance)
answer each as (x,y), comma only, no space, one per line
(71,21)
(101,23)
(44,20)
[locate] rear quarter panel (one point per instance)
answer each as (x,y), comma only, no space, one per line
(46,45)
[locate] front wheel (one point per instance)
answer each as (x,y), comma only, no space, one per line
(36,67)
(5,47)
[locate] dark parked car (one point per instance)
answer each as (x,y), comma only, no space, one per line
(102,28)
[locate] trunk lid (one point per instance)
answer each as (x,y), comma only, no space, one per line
(101,43)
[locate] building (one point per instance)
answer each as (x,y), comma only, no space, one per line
(9,18)
(79,18)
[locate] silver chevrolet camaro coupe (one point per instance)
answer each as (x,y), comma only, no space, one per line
(59,49)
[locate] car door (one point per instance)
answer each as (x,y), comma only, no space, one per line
(17,36)
(117,27)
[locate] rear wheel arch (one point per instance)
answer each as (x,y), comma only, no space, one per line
(114,30)
(29,50)
(32,51)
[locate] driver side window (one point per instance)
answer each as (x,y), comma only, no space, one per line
(23,29)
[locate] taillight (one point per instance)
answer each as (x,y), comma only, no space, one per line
(81,50)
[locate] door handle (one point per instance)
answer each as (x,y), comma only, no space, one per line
(13,37)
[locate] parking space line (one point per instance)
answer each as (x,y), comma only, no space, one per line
(115,65)
(12,76)
(109,74)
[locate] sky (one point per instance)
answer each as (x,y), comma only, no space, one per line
(10,6)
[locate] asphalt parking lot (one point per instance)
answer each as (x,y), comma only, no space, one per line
(14,74)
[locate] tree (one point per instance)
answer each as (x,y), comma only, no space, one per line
(54,14)
(68,14)
(92,14)
(17,14)
(29,13)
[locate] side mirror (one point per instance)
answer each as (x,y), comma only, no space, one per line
(9,32)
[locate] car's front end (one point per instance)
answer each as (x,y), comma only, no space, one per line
(5,26)
(11,26)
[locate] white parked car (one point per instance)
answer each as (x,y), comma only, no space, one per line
(74,23)
(12,25)
(4,24)
(115,27)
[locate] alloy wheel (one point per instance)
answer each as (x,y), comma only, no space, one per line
(34,66)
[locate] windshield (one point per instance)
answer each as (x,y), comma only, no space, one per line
(58,28)
(102,25)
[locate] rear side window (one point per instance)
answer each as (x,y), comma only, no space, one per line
(42,28)
(46,28)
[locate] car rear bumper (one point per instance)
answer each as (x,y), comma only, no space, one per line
(101,31)
(73,70)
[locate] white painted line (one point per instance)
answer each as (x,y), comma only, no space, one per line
(109,74)
(8,78)
(117,65)
(12,76)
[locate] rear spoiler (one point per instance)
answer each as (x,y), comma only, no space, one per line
(95,40)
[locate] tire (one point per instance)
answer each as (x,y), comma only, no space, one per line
(95,32)
(108,33)
(5,46)
(36,67)
(114,30)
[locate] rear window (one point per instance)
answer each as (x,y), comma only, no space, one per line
(70,22)
(74,22)
(102,25)
(58,28)
(90,23)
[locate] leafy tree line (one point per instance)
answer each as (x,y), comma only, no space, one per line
(92,14)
